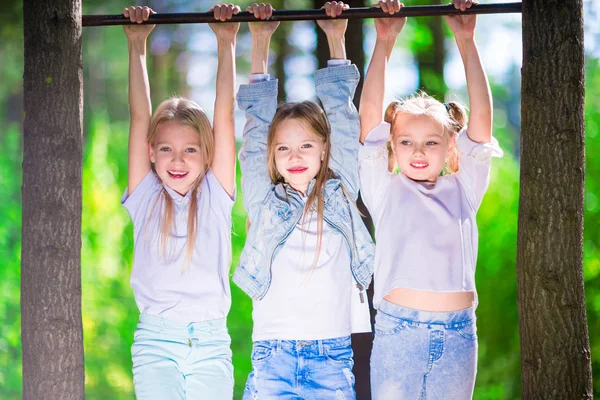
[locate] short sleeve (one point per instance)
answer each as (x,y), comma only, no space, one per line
(373,167)
(474,165)
(140,195)
(220,201)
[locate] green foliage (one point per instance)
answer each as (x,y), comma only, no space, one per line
(591,232)
(10,254)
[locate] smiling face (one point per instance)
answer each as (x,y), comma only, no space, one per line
(298,153)
(176,155)
(421,146)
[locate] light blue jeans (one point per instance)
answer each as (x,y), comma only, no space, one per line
(423,355)
(301,369)
(182,361)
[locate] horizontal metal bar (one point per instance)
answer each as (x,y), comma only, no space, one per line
(298,15)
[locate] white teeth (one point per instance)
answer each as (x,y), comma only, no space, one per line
(177,173)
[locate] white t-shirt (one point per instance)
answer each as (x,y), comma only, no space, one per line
(426,234)
(311,303)
(163,285)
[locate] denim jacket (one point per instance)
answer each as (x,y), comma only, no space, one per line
(274,210)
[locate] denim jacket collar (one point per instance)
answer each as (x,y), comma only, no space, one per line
(284,191)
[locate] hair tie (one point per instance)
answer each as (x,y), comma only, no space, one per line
(448,107)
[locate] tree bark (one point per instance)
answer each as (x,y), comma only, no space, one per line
(280,40)
(51,326)
(431,57)
(555,350)
(361,342)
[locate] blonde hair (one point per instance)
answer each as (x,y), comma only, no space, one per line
(452,116)
(188,114)
(314,119)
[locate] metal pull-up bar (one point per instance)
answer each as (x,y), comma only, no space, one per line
(299,15)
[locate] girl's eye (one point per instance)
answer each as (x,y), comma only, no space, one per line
(165,148)
(190,150)
(405,143)
(282,148)
(431,143)
(307,146)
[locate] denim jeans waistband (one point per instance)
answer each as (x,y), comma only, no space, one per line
(448,319)
(309,346)
(203,326)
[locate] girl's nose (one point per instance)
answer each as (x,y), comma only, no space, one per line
(177,156)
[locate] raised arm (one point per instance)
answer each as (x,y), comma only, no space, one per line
(335,87)
(259,101)
(223,165)
(335,29)
(140,106)
(480,97)
(371,99)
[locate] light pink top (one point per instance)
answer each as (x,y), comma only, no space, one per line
(162,285)
(425,234)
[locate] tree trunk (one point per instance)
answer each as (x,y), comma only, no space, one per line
(51,327)
(361,342)
(281,44)
(430,55)
(555,350)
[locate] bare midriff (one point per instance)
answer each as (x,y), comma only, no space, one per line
(431,301)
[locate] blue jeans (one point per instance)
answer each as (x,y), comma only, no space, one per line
(301,369)
(181,361)
(423,355)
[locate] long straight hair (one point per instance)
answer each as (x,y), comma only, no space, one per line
(188,114)
(452,118)
(314,119)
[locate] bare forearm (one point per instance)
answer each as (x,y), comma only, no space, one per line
(337,47)
(140,106)
(371,99)
(224,102)
(260,54)
(480,97)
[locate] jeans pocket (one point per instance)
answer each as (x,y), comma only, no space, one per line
(261,352)
(468,330)
(388,325)
(340,355)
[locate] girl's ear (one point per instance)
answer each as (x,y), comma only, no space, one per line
(322,155)
(151,153)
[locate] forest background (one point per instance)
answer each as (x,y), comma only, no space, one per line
(182,60)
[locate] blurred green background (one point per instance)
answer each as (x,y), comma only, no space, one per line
(182,60)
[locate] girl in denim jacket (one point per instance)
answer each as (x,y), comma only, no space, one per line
(307,257)
(425,224)
(180,196)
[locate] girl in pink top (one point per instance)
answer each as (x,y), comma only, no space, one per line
(425,221)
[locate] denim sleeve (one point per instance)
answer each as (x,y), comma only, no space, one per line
(335,88)
(259,102)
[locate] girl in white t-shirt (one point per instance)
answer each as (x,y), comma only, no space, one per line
(308,256)
(180,196)
(425,221)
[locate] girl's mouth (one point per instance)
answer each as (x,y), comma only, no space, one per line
(419,165)
(297,170)
(177,174)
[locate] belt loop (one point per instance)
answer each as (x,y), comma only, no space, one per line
(320,344)
(278,345)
